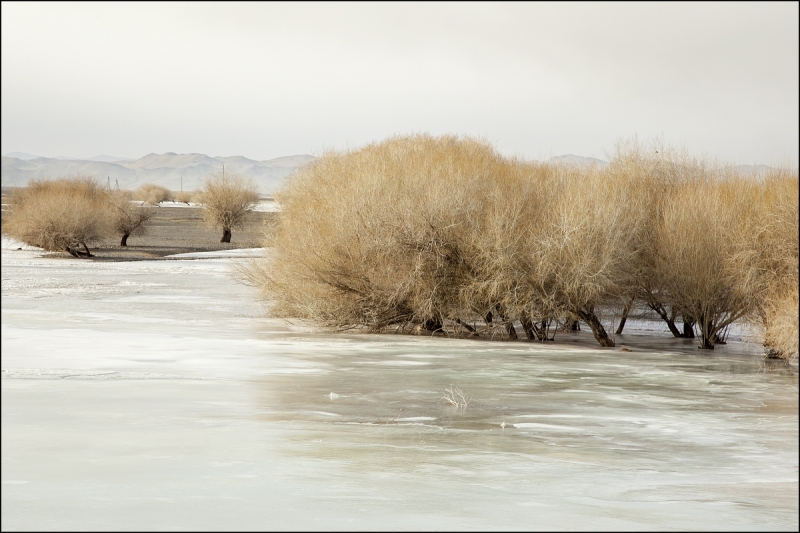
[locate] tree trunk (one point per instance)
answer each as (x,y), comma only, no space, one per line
(512,333)
(624,317)
(432,324)
(527,325)
(226,235)
(465,325)
(688,329)
(575,326)
(717,339)
(707,334)
(88,253)
(534,331)
(670,320)
(543,331)
(124,241)
(597,328)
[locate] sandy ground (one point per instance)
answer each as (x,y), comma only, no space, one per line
(176,230)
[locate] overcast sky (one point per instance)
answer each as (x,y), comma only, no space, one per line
(268,80)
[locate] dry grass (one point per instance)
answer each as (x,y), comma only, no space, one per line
(227,199)
(152,194)
(66,214)
(456,397)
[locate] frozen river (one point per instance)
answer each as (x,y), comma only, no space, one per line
(154,395)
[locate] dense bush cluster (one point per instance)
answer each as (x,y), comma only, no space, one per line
(445,234)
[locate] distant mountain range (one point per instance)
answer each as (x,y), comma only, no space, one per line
(188,170)
(571,159)
(101,157)
(170,170)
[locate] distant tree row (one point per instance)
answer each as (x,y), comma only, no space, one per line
(69,214)
(445,234)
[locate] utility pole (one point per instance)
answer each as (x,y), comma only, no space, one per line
(108,186)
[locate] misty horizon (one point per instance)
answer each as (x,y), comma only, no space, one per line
(266,80)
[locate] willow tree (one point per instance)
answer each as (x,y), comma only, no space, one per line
(378,236)
(698,251)
(768,261)
(126,217)
(227,200)
(63,215)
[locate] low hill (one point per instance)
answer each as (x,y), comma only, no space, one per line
(168,170)
(578,160)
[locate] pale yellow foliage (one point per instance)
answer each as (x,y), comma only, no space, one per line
(227,199)
(59,215)
(152,194)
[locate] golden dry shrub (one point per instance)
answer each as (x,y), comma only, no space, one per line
(377,236)
(227,200)
(127,217)
(196,197)
(658,171)
(557,243)
(443,232)
(782,329)
(183,196)
(581,253)
(698,249)
(64,215)
(768,258)
(514,204)
(152,194)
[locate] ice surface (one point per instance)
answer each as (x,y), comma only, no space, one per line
(155,395)
(243,252)
(9,243)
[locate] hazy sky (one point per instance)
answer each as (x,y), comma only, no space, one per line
(267,80)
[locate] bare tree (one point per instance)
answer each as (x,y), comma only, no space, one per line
(227,199)
(126,217)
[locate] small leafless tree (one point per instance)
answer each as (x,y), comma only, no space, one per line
(126,217)
(227,199)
